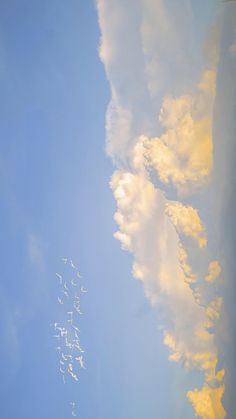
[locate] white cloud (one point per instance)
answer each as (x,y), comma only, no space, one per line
(187,221)
(146,51)
(214,271)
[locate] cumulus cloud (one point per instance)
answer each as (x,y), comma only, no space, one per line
(207,402)
(214,271)
(187,221)
(179,148)
(147,231)
(182,154)
(213,310)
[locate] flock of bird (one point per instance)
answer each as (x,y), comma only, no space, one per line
(67,332)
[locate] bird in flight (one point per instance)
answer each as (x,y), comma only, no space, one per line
(72,265)
(64,260)
(82,289)
(81,361)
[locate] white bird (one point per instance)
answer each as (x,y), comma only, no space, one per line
(62,371)
(73,282)
(76,335)
(82,289)
(61,362)
(58,348)
(76,328)
(65,293)
(75,377)
(77,345)
(60,277)
(81,361)
(63,333)
(69,356)
(72,265)
(65,286)
(79,274)
(59,300)
(70,367)
(77,308)
(64,260)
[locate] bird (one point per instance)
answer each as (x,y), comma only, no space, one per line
(59,300)
(77,345)
(80,360)
(64,260)
(76,335)
(62,371)
(79,274)
(74,376)
(65,293)
(73,282)
(82,289)
(65,286)
(72,265)
(60,277)
(77,308)
(76,328)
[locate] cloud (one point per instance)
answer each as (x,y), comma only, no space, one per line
(139,66)
(182,154)
(214,271)
(207,402)
(187,221)
(213,310)
(178,147)
(147,231)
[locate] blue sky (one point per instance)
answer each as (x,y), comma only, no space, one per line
(55,189)
(56,202)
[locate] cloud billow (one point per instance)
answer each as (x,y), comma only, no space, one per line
(150,225)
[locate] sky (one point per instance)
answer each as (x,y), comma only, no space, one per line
(117,153)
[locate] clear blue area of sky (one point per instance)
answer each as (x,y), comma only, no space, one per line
(55,194)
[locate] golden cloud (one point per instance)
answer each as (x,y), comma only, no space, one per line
(207,402)
(187,221)
(214,271)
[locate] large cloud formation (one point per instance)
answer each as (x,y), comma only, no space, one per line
(142,43)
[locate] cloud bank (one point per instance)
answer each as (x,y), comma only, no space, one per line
(142,44)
